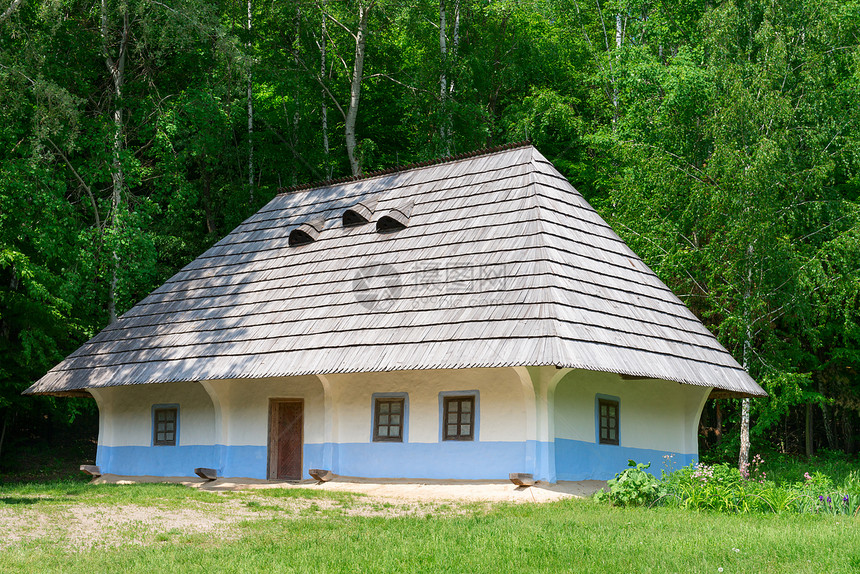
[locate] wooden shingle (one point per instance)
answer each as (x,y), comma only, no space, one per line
(500,262)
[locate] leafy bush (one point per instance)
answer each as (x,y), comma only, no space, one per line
(631,487)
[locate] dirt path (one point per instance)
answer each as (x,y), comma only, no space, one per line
(394,489)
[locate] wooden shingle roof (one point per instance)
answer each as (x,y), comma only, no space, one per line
(501,263)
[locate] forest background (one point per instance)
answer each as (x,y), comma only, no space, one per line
(721,140)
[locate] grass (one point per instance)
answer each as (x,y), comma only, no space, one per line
(66,492)
(567,536)
(307,493)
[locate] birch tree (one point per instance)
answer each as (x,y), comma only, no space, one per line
(349,111)
(323,43)
(351,115)
(250,48)
(115,44)
(448,57)
(8,12)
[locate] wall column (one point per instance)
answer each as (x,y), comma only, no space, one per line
(544,381)
(530,407)
(105,440)
(695,405)
(330,434)
(222,426)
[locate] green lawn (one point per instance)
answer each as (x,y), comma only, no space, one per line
(309,531)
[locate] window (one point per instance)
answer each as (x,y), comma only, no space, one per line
(608,421)
(360,213)
(458,422)
(306,232)
(395,219)
(164,426)
(388,419)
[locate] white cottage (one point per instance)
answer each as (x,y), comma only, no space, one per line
(464,319)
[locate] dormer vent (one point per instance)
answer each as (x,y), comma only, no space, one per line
(395,219)
(360,213)
(306,232)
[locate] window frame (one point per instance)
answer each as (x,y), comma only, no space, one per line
(609,401)
(156,409)
(404,417)
(377,414)
(444,399)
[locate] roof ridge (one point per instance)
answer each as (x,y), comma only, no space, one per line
(405,167)
(544,312)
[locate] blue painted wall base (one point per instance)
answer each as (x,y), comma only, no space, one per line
(548,461)
(578,460)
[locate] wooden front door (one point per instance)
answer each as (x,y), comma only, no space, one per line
(285,438)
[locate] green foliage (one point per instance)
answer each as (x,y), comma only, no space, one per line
(721,488)
(631,487)
(720,140)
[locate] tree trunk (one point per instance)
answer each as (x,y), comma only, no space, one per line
(117,181)
(809,446)
(719,431)
(455,37)
(450,62)
(296,116)
(443,78)
(10,10)
(744,455)
(117,72)
(207,199)
(848,431)
(328,171)
(355,86)
(828,422)
(619,40)
(250,111)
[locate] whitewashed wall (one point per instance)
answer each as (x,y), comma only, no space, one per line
(658,419)
(125,413)
(502,408)
(539,420)
(244,407)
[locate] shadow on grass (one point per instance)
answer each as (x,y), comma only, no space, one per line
(49,491)
(23,500)
(51,481)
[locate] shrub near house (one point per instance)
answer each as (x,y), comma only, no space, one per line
(722,488)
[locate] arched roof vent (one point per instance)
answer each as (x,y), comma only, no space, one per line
(306,232)
(360,213)
(395,219)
